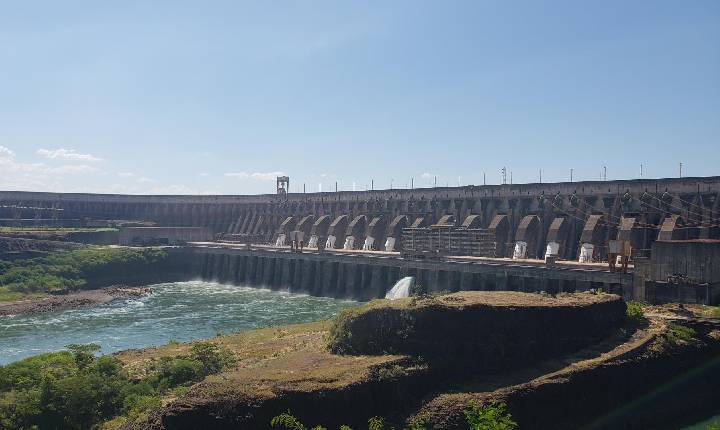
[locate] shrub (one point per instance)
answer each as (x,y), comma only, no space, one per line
(634,311)
(716,314)
(77,390)
(493,416)
(419,422)
(418,290)
(205,359)
(66,389)
(170,372)
(212,357)
(288,421)
(376,423)
(680,333)
(64,271)
(83,354)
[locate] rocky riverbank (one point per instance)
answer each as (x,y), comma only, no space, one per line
(73,300)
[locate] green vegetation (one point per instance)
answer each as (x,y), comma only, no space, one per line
(714,425)
(715,312)
(65,271)
(680,333)
(76,390)
(634,311)
(350,329)
(287,421)
(493,416)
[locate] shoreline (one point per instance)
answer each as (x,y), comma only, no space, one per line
(72,300)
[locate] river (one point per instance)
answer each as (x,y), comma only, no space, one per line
(180,311)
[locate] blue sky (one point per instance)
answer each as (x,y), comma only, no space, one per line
(217,97)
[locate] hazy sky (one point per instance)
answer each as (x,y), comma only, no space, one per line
(217,97)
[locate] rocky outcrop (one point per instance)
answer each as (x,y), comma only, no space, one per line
(482,329)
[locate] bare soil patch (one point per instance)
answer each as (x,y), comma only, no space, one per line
(76,299)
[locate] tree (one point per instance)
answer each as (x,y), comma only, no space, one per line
(83,354)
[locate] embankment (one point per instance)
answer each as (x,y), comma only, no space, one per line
(652,380)
(292,368)
(482,330)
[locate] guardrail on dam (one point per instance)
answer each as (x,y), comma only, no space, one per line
(570,217)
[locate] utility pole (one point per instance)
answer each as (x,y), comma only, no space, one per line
(391,181)
(484,179)
(303,187)
(511,177)
(604,173)
(541,176)
(412,183)
(435,181)
(372,184)
(336,186)
(641,170)
(681,169)
(504,175)
(571,174)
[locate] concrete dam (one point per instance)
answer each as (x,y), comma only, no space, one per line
(358,241)
(366,277)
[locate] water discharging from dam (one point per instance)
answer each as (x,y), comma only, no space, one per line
(401,288)
(179,311)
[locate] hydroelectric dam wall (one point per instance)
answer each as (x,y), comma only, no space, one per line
(571,218)
(366,277)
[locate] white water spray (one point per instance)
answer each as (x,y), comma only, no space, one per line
(401,288)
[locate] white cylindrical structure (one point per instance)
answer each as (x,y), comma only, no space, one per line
(520,250)
(368,245)
(330,242)
(349,242)
(280,240)
(390,244)
(552,249)
(586,253)
(313,242)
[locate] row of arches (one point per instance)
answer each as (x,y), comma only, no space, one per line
(534,237)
